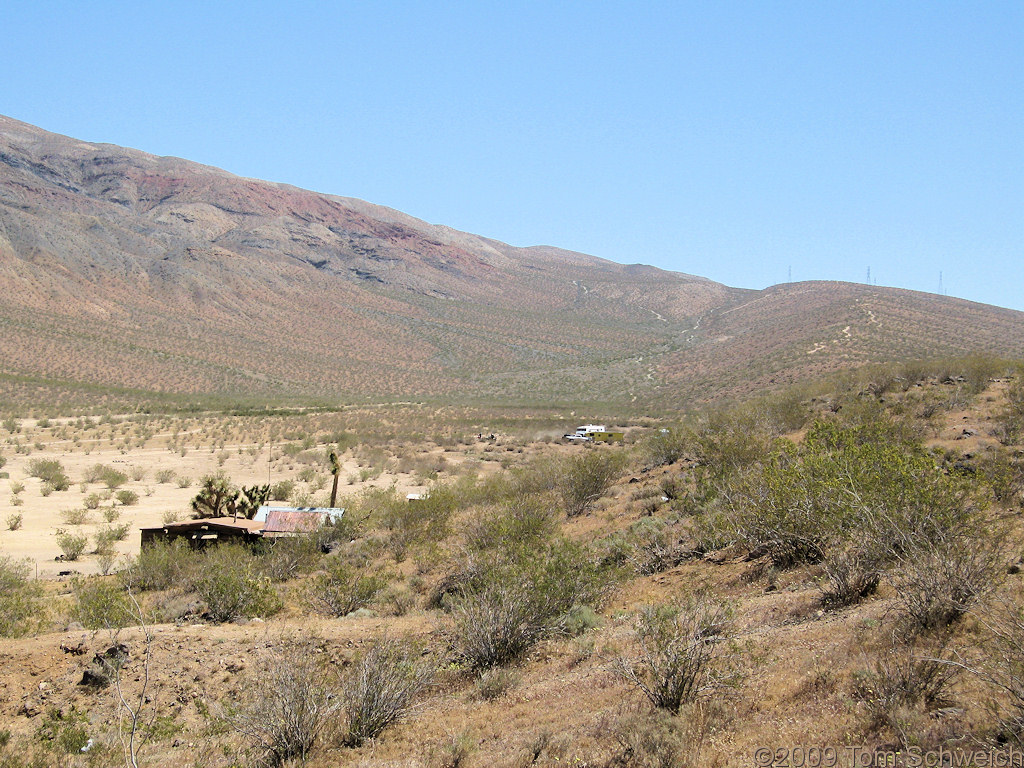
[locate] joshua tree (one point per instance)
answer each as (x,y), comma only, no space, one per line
(335,470)
(247,501)
(215,498)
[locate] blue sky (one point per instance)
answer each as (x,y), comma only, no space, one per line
(739,141)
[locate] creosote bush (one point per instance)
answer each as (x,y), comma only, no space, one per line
(341,589)
(907,677)
(20,598)
(681,652)
(856,497)
(380,688)
(585,478)
(290,710)
(509,600)
(71,545)
(163,565)
(51,472)
(230,583)
(101,604)
(939,580)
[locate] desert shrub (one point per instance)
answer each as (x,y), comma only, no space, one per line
(1011,425)
(66,731)
(852,573)
(940,580)
(111,514)
(19,598)
(724,442)
(104,473)
(126,497)
(652,740)
(17,487)
(664,447)
(1002,668)
(51,472)
(380,688)
(163,565)
(100,604)
(231,585)
(17,501)
(1003,475)
(340,589)
(413,523)
(92,501)
(14,521)
(287,557)
(680,653)
(861,485)
(512,599)
(77,516)
(522,519)
(905,678)
(585,478)
(164,476)
(290,709)
(70,544)
(183,481)
(494,683)
(282,490)
(649,546)
(104,540)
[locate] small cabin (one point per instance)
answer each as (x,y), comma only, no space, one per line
(268,523)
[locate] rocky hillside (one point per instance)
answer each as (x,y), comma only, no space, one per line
(140,274)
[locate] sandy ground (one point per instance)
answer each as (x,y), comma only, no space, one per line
(41,515)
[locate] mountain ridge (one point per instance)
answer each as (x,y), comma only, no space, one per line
(128,269)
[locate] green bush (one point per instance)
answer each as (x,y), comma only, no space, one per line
(103,473)
(75,516)
(585,478)
(51,472)
(664,447)
(341,589)
(231,585)
(164,565)
(522,519)
(380,688)
(285,558)
(413,523)
(680,653)
(513,599)
(164,476)
(20,596)
(282,490)
(70,544)
(861,485)
(101,604)
(126,497)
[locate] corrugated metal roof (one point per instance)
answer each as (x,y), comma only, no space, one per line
(292,521)
(334,513)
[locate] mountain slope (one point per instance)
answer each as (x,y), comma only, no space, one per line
(161,275)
